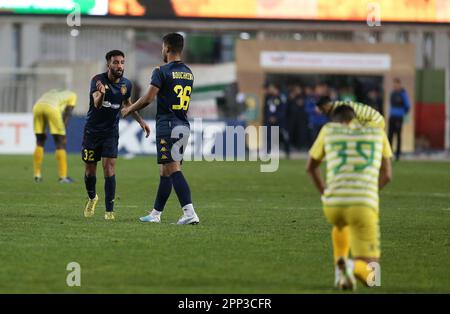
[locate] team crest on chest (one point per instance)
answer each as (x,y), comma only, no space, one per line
(123,89)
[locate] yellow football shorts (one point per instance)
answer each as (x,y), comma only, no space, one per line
(44,115)
(363,223)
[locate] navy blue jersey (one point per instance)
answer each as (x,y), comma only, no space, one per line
(106,119)
(175,81)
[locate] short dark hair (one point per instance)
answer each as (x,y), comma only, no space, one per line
(323,101)
(397,80)
(343,114)
(113,53)
(174,41)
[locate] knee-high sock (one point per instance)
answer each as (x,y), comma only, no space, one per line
(164,189)
(341,242)
(90,185)
(38,156)
(181,187)
(361,271)
(61,159)
(110,192)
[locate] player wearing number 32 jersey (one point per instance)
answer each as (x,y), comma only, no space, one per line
(358,164)
(172,85)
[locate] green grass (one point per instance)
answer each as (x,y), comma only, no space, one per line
(259,232)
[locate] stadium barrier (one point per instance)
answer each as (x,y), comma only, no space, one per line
(17,136)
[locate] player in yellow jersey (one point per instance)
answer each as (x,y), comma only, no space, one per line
(358,165)
(366,115)
(53,110)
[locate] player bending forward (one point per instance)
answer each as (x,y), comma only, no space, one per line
(358,164)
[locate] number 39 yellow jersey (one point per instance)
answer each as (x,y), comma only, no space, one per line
(353,154)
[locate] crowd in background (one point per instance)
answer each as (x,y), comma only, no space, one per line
(293,108)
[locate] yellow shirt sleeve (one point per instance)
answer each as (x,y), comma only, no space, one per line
(366,115)
(387,151)
(317,151)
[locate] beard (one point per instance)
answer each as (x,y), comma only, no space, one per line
(117,74)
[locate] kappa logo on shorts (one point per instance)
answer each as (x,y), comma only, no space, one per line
(163,149)
(164,157)
(162,142)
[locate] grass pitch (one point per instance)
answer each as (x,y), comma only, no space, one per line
(259,232)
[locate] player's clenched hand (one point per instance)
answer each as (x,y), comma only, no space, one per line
(125,112)
(146,129)
(100,87)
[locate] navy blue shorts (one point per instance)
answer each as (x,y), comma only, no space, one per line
(97,146)
(171,148)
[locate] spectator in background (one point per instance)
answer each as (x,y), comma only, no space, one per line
(334,95)
(275,114)
(315,118)
(347,94)
(297,118)
(399,109)
(322,89)
(375,100)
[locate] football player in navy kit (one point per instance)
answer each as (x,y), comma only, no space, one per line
(109,92)
(171,84)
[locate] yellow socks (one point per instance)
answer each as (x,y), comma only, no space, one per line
(341,242)
(61,159)
(38,156)
(361,271)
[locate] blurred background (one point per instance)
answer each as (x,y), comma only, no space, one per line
(244,54)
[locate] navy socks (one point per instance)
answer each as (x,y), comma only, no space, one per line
(90,185)
(164,189)
(110,192)
(181,187)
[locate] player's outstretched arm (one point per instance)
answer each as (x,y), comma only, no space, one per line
(313,169)
(138,118)
(142,102)
(67,114)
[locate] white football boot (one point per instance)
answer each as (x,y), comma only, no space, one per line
(345,280)
(188,219)
(151,218)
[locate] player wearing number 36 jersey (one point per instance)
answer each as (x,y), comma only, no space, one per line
(172,85)
(358,164)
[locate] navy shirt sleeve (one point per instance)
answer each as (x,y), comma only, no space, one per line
(93,84)
(157,79)
(129,89)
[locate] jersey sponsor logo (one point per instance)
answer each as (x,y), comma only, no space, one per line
(123,89)
(107,104)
